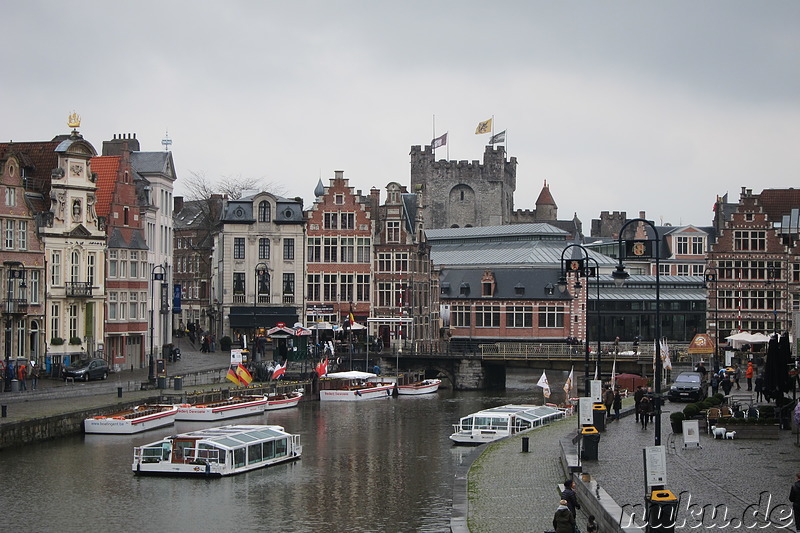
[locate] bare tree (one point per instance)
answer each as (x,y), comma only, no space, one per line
(232,188)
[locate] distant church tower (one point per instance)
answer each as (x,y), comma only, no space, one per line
(546,208)
(462,193)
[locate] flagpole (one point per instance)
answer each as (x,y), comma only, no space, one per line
(434,148)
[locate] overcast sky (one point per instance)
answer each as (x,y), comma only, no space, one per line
(620,106)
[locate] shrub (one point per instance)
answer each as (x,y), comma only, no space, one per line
(720,396)
(677,417)
(225,343)
(56,341)
(708,403)
(691,410)
(715,400)
(74,340)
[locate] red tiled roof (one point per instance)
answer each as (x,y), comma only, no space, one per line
(38,158)
(106,167)
(545,198)
(779,202)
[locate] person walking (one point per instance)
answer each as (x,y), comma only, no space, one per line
(563,521)
(748,373)
(608,400)
(571,498)
(759,389)
(645,410)
(637,399)
(737,374)
(22,376)
(617,405)
(794,497)
(714,383)
(727,382)
(34,375)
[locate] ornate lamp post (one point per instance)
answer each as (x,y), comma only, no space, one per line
(710,278)
(158,273)
(639,248)
(577,267)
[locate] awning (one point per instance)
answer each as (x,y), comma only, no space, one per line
(261,317)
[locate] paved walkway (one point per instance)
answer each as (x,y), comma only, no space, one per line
(514,491)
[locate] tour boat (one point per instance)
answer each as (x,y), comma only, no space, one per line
(221,410)
(498,422)
(217,451)
(426,386)
(353,386)
(282,401)
(134,420)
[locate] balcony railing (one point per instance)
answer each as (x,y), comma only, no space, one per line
(15,307)
(79,289)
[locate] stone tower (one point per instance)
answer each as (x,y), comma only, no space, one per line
(461,193)
(546,208)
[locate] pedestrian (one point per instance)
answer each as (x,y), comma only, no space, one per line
(748,373)
(637,399)
(569,495)
(591,525)
(608,400)
(714,383)
(563,521)
(759,389)
(22,376)
(34,375)
(794,497)
(645,410)
(701,369)
(617,404)
(727,382)
(736,375)
(206,344)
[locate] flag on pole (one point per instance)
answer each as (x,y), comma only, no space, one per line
(233,377)
(613,374)
(568,384)
(322,367)
(484,127)
(596,372)
(665,360)
(544,385)
(498,138)
(244,375)
(279,371)
(440,141)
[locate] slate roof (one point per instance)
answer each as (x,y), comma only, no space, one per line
(106,168)
(531,253)
(531,282)
(153,163)
(639,287)
(545,198)
(410,211)
(517,231)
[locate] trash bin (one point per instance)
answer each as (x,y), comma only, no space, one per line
(162,382)
(14,385)
(590,438)
(525,444)
(599,413)
(662,506)
(178,383)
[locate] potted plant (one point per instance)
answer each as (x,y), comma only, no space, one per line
(225,343)
(75,340)
(676,419)
(691,410)
(56,341)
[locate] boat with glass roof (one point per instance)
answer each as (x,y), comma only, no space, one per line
(499,422)
(217,451)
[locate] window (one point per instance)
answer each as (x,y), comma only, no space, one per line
(393,231)
(338,199)
(263,248)
(9,234)
(75,267)
(348,254)
(125,216)
(362,250)
(73,320)
(664,269)
(264,211)
(313,287)
(90,259)
(123,264)
(112,305)
(487,316)
(55,320)
(330,249)
(384,262)
(683,270)
(314,249)
(348,221)
(238,283)
(698,245)
(22,235)
(346,287)
(134,308)
(796,272)
(697,270)
(386,292)
(519,317)
(134,264)
(142,304)
(11,196)
(362,287)
(55,267)
(681,245)
(329,287)
(238,248)
(460,316)
(551,317)
(749,240)
(123,305)
(34,293)
(288,249)
(401,262)
(330,220)
(288,284)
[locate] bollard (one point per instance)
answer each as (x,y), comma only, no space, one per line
(119,392)
(4,409)
(525,444)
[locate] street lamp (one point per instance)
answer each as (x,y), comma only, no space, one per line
(639,249)
(710,278)
(158,273)
(577,266)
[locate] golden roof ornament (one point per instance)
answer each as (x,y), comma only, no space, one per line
(74,120)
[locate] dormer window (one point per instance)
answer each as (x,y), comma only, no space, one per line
(519,289)
(264,211)
(487,284)
(464,289)
(445,288)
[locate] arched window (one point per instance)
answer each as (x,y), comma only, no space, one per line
(264,211)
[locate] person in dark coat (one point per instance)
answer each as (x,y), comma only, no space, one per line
(637,399)
(569,495)
(617,405)
(563,521)
(645,410)
(794,497)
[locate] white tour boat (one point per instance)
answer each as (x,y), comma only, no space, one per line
(282,401)
(224,409)
(217,451)
(498,422)
(134,420)
(354,386)
(426,386)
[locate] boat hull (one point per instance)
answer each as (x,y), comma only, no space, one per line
(357,394)
(211,412)
(425,387)
(119,425)
(203,470)
(283,401)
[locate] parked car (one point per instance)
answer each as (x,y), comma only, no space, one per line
(86,369)
(688,387)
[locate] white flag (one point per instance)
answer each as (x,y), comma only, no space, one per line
(544,385)
(614,374)
(568,384)
(665,360)
(596,372)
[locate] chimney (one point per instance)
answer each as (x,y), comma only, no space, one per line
(375,197)
(178,204)
(338,174)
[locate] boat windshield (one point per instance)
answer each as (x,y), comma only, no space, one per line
(489,422)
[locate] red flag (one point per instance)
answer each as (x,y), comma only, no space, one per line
(322,367)
(233,377)
(279,371)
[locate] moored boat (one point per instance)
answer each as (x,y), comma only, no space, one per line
(134,420)
(217,451)
(354,386)
(425,386)
(499,422)
(231,408)
(283,401)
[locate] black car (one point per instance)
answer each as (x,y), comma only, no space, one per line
(86,369)
(688,387)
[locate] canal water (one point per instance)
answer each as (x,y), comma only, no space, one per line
(376,466)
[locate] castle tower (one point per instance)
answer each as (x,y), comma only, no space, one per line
(546,208)
(462,193)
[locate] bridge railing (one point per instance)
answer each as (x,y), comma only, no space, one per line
(534,351)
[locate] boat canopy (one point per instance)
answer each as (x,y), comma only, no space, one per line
(535,414)
(231,437)
(352,375)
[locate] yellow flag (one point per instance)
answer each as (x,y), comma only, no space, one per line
(484,127)
(233,377)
